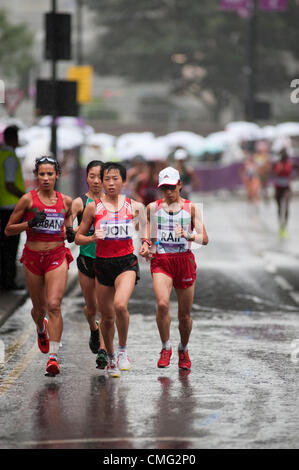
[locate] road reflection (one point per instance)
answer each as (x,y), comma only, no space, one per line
(175,412)
(90,419)
(51,421)
(106,412)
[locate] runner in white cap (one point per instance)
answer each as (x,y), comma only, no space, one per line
(173,223)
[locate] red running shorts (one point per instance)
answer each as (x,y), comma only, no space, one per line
(181,267)
(41,262)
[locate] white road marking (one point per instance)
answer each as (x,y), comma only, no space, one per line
(270,268)
(295,296)
(17,371)
(18,343)
(283,283)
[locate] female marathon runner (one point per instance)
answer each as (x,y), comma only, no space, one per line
(117,269)
(249,173)
(44,213)
(282,172)
(171,221)
(86,262)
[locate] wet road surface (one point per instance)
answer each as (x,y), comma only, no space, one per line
(242,391)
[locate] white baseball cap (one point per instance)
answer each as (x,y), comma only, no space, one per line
(169,176)
(180,154)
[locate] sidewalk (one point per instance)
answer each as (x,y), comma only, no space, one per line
(11,300)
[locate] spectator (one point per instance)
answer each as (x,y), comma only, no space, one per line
(250,177)
(282,170)
(264,167)
(189,180)
(138,167)
(145,190)
(12,188)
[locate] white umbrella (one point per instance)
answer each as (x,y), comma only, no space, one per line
(222,136)
(36,148)
(282,142)
(132,144)
(69,137)
(244,130)
(31,133)
(45,121)
(98,146)
(268,132)
(185,139)
(289,129)
(13,122)
(100,140)
(130,138)
(157,150)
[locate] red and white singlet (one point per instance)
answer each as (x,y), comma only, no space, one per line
(165,224)
(52,228)
(119,229)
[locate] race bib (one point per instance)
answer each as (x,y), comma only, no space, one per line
(51,225)
(119,231)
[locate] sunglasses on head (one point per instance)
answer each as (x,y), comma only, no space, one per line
(45,159)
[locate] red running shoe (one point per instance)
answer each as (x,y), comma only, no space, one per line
(184,360)
(52,366)
(165,356)
(43,339)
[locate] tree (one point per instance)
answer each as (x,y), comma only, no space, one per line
(15,49)
(193,45)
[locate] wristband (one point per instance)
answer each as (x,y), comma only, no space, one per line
(145,240)
(189,236)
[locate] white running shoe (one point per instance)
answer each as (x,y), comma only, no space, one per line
(123,361)
(112,368)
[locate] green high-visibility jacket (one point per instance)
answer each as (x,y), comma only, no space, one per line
(8,199)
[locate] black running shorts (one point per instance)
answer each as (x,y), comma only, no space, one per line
(108,269)
(86,265)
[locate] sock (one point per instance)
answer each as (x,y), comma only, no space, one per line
(54,347)
(111,357)
(122,348)
(166,345)
(183,348)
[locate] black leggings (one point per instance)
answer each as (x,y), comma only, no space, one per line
(8,251)
(282,196)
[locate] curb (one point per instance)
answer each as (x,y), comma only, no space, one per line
(19,299)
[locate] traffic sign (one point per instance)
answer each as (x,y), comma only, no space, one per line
(83,75)
(65,98)
(58,36)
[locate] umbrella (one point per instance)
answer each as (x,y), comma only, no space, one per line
(131,144)
(244,130)
(157,150)
(289,129)
(31,133)
(268,132)
(69,137)
(100,140)
(185,139)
